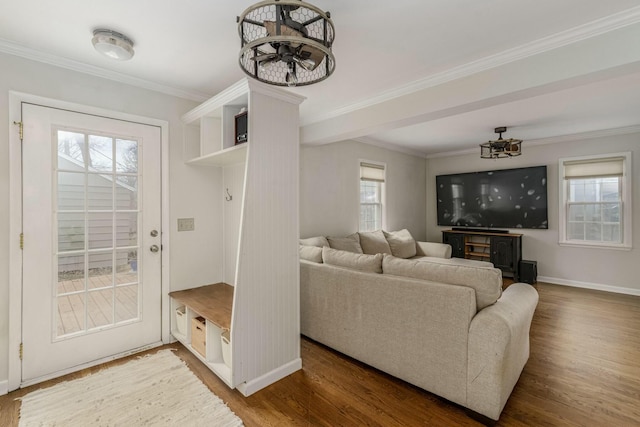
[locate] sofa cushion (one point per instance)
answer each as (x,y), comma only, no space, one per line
(351,243)
(319,241)
(485,280)
(374,242)
(361,262)
(402,243)
(311,253)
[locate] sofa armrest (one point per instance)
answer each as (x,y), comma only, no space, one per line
(438,250)
(499,349)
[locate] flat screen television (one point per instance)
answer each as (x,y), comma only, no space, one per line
(507,198)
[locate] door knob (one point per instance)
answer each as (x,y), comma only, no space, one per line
(154,248)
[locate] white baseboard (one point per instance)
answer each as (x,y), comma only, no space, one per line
(587,285)
(4,387)
(250,387)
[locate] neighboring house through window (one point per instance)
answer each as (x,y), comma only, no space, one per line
(595,201)
(372,176)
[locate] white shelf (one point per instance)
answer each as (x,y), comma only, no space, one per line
(228,156)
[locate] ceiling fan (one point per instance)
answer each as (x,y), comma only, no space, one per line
(298,40)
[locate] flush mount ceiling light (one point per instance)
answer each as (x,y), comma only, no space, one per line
(113,44)
(286,43)
(501,148)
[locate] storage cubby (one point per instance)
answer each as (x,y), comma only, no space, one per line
(502,249)
(255,305)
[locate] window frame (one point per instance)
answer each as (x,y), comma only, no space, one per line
(382,203)
(625,201)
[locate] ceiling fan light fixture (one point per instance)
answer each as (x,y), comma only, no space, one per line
(293,37)
(501,148)
(113,44)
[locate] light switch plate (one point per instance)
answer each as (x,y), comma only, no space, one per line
(186,224)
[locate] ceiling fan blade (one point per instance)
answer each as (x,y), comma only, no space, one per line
(265,57)
(284,31)
(310,55)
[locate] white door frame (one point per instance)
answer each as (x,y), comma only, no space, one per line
(15,217)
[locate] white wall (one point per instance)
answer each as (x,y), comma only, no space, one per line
(192,255)
(329,189)
(614,270)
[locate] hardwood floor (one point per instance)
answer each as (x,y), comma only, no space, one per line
(584,370)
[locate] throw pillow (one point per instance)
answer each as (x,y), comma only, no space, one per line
(374,242)
(351,243)
(311,253)
(485,280)
(319,241)
(402,243)
(361,262)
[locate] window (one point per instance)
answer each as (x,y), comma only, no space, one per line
(371,196)
(595,194)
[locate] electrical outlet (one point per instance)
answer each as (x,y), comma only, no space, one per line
(186,224)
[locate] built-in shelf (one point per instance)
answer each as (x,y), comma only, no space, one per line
(228,156)
(252,327)
(213,302)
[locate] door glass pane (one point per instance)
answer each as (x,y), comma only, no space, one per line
(71,150)
(70,273)
(126,303)
(70,232)
(100,230)
(126,229)
(99,308)
(100,153)
(70,316)
(126,192)
(70,191)
(100,270)
(100,192)
(126,267)
(126,156)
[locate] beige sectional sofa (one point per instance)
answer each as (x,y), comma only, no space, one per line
(441,324)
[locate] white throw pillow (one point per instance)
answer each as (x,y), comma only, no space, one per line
(351,243)
(361,262)
(311,253)
(402,243)
(319,241)
(374,242)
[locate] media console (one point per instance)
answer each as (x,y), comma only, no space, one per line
(503,250)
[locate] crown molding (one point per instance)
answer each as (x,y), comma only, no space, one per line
(545,44)
(601,133)
(15,49)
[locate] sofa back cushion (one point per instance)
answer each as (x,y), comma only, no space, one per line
(319,241)
(351,243)
(361,262)
(485,280)
(374,242)
(311,253)
(402,243)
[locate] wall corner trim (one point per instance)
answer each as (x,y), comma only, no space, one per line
(4,387)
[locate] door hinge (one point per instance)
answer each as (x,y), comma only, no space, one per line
(21,350)
(20,125)
(21,240)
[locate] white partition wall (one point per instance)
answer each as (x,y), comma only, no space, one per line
(260,228)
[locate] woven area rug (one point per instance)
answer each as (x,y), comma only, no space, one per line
(154,390)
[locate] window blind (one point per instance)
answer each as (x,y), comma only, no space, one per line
(598,168)
(371,172)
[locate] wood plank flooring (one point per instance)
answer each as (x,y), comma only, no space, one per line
(584,370)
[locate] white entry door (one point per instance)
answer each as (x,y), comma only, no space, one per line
(91,224)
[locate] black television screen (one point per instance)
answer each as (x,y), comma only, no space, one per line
(508,198)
